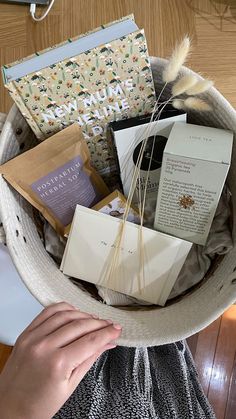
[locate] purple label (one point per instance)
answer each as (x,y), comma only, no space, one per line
(65,187)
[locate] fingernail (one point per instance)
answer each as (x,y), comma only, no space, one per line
(95,316)
(109,321)
(117,326)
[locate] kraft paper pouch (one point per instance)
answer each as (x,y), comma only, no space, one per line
(55,176)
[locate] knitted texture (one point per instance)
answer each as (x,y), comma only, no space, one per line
(153,383)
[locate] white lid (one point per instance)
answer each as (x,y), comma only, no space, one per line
(199,142)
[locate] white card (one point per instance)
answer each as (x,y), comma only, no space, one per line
(91,246)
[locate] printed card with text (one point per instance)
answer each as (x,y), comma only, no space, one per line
(93,237)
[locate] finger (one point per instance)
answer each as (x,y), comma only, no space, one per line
(75,330)
(90,344)
(59,319)
(48,312)
(80,371)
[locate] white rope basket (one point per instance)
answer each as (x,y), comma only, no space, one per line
(141,327)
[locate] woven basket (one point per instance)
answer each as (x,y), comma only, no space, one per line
(145,327)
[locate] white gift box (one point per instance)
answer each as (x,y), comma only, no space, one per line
(146,269)
(195,164)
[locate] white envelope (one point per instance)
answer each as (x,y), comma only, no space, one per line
(92,244)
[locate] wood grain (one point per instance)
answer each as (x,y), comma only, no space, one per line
(231,400)
(223,368)
(5,352)
(214,352)
(205,352)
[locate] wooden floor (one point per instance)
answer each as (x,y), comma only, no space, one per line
(214,351)
(212,27)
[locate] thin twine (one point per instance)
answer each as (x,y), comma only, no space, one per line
(141,242)
(109,274)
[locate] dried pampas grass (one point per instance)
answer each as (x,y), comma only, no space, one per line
(188,84)
(191,103)
(200,87)
(197,104)
(178,104)
(176,61)
(183,84)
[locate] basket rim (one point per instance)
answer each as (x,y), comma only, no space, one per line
(42,277)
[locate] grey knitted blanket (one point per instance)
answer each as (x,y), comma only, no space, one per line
(140,383)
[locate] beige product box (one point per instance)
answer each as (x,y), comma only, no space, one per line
(195,164)
(93,238)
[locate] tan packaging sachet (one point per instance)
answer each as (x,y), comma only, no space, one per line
(115,205)
(57,175)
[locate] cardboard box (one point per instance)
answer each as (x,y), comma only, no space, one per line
(114,205)
(195,164)
(93,243)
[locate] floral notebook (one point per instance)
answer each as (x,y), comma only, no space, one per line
(93,79)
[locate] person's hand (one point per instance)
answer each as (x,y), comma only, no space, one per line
(49,360)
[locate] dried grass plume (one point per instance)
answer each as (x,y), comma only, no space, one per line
(178,104)
(183,84)
(197,104)
(176,61)
(200,87)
